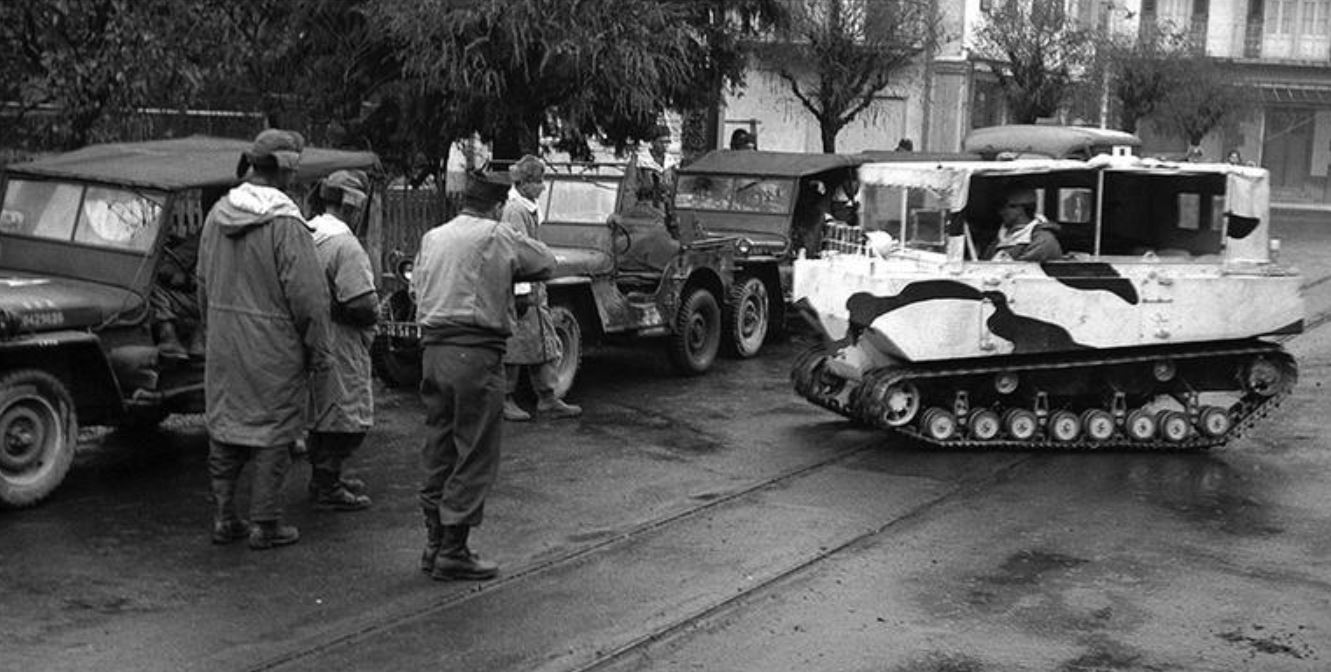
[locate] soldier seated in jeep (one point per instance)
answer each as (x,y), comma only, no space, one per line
(175,301)
(652,243)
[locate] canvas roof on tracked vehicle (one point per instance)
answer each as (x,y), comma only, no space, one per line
(178,163)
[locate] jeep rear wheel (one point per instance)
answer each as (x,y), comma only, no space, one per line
(570,341)
(38,433)
(747,317)
(697,333)
(397,361)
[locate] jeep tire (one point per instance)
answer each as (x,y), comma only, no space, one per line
(697,333)
(396,361)
(38,434)
(748,316)
(569,333)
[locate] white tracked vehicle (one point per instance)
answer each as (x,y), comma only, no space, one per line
(1153,331)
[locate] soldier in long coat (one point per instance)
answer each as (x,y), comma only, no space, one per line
(534,344)
(265,303)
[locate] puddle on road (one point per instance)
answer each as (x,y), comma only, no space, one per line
(1203,490)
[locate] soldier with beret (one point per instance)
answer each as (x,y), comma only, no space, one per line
(342,399)
(265,302)
(463,278)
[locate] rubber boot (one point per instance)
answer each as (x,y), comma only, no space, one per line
(554,407)
(268,534)
(227,526)
(339,498)
(434,538)
(456,562)
(513,412)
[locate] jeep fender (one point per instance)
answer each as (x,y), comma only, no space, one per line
(77,360)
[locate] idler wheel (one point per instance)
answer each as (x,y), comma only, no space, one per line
(1214,421)
(1021,424)
(1174,425)
(1064,426)
(983,424)
(1140,425)
(900,404)
(1098,424)
(1263,377)
(938,424)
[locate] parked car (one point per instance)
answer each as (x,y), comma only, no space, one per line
(82,237)
(624,273)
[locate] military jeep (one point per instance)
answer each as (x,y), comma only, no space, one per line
(772,204)
(82,238)
(624,274)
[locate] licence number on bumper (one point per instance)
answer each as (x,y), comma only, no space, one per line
(400,329)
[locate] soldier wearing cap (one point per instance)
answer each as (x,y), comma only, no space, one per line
(534,346)
(1025,235)
(342,400)
(265,302)
(463,278)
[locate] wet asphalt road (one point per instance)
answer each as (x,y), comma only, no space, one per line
(715,523)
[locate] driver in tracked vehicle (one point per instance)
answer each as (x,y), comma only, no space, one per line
(1024,234)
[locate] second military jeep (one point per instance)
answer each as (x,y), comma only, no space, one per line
(83,237)
(624,273)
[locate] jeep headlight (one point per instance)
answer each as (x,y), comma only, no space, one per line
(743,245)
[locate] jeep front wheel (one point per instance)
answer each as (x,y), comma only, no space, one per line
(38,433)
(396,359)
(747,317)
(570,341)
(697,333)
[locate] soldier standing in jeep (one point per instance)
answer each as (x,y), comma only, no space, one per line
(265,302)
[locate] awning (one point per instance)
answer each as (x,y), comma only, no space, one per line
(1293,94)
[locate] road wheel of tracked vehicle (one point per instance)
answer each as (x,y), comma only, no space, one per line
(570,341)
(747,317)
(397,361)
(1020,424)
(1214,421)
(1174,426)
(1097,424)
(938,424)
(984,424)
(1064,426)
(38,433)
(900,404)
(1140,425)
(697,334)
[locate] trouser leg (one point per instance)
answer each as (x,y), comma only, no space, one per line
(271,464)
(464,399)
(225,462)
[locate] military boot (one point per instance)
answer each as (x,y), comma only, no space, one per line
(434,538)
(227,526)
(329,493)
(456,562)
(554,407)
(271,534)
(513,412)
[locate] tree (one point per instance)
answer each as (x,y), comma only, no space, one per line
(88,60)
(1137,72)
(1037,50)
(837,55)
(1202,97)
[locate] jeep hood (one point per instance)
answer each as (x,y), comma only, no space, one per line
(47,303)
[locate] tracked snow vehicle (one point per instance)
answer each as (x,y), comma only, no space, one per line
(1154,330)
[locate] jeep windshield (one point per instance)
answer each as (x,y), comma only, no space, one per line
(95,215)
(736,194)
(582,201)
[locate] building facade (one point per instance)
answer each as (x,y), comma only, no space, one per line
(1281,49)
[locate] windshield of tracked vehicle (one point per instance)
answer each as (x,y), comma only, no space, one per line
(914,217)
(580,201)
(100,216)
